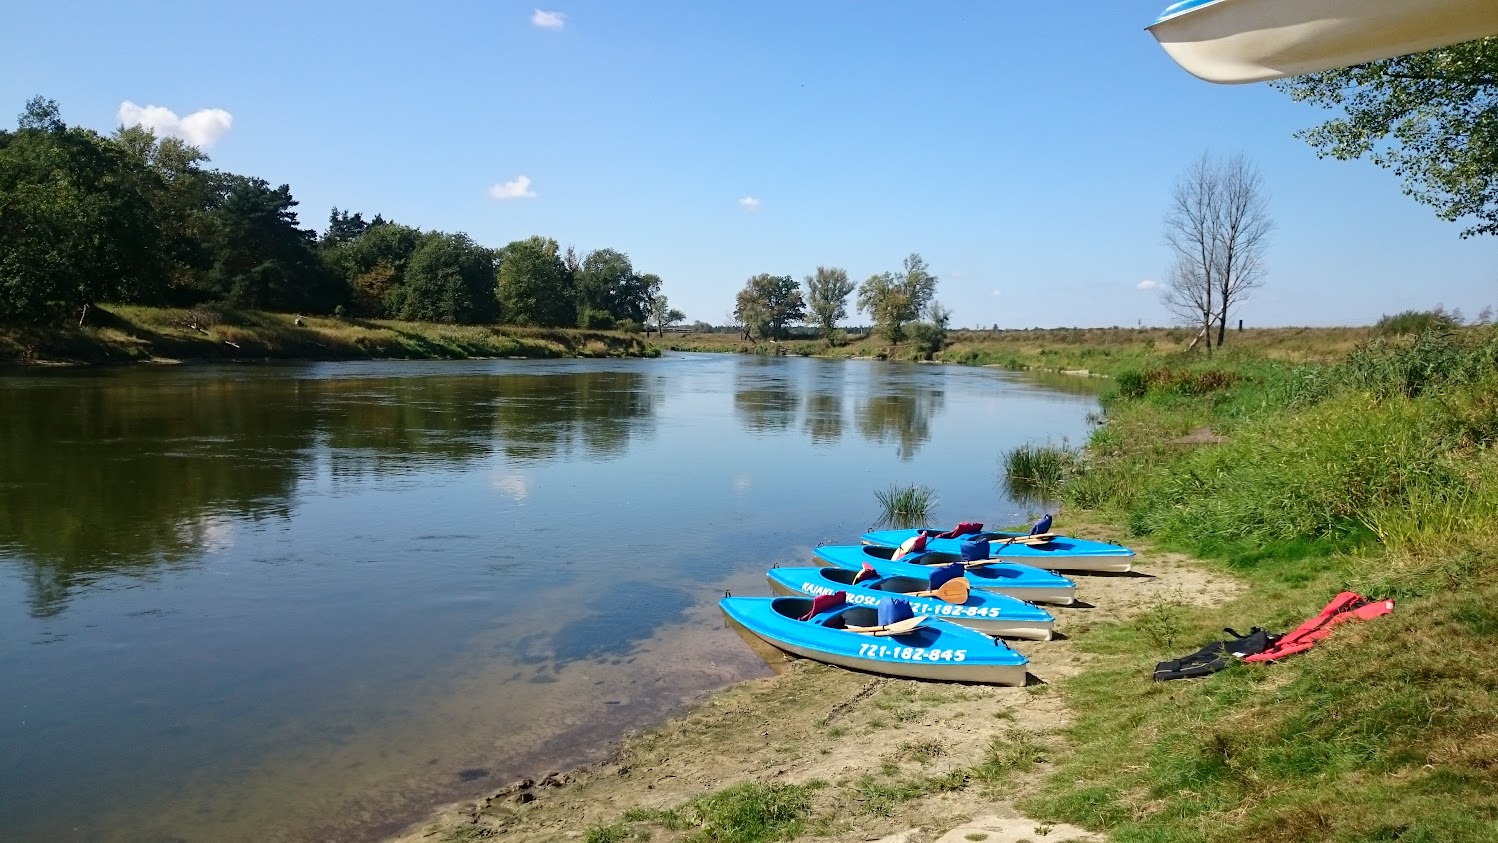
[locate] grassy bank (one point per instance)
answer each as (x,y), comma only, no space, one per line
(1379,474)
(120,334)
(1097,350)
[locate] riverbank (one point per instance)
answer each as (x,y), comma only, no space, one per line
(1278,480)
(129,334)
(831,754)
(1081,350)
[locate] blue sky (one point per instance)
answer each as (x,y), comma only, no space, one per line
(1026,151)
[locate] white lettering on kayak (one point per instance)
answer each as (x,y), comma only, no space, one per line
(911,654)
(921,606)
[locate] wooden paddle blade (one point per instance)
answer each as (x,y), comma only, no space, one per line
(954,591)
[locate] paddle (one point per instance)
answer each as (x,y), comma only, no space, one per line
(896,628)
(952,591)
(1038,538)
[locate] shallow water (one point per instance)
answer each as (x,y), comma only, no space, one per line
(312,601)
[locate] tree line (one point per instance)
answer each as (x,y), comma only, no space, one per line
(895,301)
(133,218)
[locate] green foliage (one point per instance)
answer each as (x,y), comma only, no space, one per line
(895,299)
(751,812)
(607,282)
(663,314)
(449,279)
(1427,116)
(77,224)
(261,259)
(535,287)
(373,266)
(827,293)
(1416,322)
(1034,473)
(904,507)
(768,303)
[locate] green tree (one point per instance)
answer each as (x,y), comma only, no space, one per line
(768,303)
(535,287)
(449,279)
(827,297)
(600,277)
(664,314)
(77,225)
(183,194)
(1429,117)
(373,265)
(893,299)
(343,227)
(261,258)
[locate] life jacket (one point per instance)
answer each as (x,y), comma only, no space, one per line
(946,573)
(975,551)
(964,528)
(867,572)
(1215,656)
(893,610)
(1347,606)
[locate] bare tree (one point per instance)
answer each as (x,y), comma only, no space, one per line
(1190,297)
(1218,227)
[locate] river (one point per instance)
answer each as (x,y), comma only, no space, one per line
(312,601)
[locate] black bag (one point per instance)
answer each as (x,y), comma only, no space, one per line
(1214,656)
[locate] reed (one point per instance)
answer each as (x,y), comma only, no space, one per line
(1034,473)
(905,507)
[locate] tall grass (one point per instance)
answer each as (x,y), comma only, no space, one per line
(1034,473)
(904,507)
(1377,473)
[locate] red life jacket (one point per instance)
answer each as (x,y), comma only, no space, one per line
(1347,606)
(963,528)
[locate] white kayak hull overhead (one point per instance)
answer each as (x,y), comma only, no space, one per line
(1237,41)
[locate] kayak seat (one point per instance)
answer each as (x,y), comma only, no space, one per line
(792,607)
(841,576)
(856,616)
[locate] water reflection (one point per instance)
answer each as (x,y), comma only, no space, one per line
(824,417)
(763,396)
(901,416)
(121,473)
(122,477)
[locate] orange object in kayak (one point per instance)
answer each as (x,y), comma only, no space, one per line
(1347,606)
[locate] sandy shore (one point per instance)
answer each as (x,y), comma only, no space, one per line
(859,737)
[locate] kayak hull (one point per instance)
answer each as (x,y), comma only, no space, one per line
(988,612)
(935,651)
(1062,553)
(1022,581)
(1238,41)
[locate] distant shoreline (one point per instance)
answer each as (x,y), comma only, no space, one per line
(143,335)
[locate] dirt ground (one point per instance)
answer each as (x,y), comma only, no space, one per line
(853,731)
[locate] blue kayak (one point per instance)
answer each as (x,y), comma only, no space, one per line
(1059,553)
(988,612)
(934,650)
(1020,581)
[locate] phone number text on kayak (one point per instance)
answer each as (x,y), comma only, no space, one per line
(915,654)
(919,607)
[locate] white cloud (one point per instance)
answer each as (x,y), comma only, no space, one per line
(749,203)
(996,293)
(548,20)
(516,188)
(1147,285)
(202,128)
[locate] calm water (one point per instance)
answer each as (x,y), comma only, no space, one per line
(309,602)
